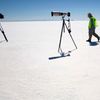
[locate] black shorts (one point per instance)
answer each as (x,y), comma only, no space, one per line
(91,31)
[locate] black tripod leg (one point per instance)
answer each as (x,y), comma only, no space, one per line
(59,48)
(4,36)
(1,29)
(73,40)
(69,31)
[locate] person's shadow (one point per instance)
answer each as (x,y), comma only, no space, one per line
(94,43)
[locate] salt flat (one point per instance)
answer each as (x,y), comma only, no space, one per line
(26,73)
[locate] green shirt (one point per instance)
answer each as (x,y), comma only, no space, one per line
(92,23)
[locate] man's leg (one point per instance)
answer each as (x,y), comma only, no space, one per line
(96,35)
(90,35)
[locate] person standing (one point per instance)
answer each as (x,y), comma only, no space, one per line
(92,26)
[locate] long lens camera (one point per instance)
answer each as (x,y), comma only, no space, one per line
(1,16)
(60,14)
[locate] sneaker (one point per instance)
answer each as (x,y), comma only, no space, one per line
(88,40)
(98,39)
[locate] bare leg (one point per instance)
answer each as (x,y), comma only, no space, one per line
(96,36)
(90,37)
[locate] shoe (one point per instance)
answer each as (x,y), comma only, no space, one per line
(98,39)
(88,40)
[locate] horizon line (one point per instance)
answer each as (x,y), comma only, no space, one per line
(36,20)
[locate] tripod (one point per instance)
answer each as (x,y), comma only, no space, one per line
(2,31)
(64,25)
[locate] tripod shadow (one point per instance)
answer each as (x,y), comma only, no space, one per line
(67,54)
(2,41)
(94,43)
(60,56)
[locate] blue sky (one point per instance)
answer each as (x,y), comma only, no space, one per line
(41,9)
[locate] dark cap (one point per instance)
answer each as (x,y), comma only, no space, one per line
(90,15)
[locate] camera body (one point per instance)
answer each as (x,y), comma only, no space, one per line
(1,16)
(60,14)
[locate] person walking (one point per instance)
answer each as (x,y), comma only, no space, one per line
(92,26)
